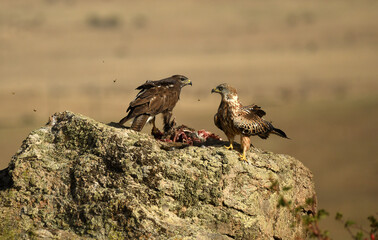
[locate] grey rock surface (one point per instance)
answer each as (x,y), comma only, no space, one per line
(76,178)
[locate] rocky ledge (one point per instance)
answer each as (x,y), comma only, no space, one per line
(76,178)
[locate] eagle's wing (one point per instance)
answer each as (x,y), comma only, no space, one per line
(157,94)
(154,100)
(254,110)
(217,121)
(150,84)
(250,122)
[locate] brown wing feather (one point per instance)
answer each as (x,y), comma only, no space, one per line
(250,123)
(162,82)
(154,98)
(217,121)
(144,96)
(254,110)
(139,122)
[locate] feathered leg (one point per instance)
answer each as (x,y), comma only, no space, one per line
(245,143)
(154,128)
(139,122)
(231,140)
(166,120)
(155,131)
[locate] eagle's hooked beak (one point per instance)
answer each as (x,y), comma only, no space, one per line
(188,82)
(215,90)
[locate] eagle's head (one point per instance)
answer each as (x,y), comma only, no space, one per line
(182,80)
(227,92)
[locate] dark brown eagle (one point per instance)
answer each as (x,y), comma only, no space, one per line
(235,119)
(155,97)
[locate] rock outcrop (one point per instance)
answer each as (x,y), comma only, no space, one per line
(76,178)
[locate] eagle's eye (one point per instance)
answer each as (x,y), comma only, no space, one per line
(220,88)
(182,78)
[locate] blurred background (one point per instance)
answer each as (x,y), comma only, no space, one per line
(311,65)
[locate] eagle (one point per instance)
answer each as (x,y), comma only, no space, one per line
(235,119)
(155,97)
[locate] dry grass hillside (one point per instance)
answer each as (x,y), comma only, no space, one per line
(311,65)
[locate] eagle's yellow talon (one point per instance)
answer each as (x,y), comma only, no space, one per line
(229,147)
(242,157)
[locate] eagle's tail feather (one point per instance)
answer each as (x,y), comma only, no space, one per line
(139,122)
(279,132)
(123,120)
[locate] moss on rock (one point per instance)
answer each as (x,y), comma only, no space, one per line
(78,178)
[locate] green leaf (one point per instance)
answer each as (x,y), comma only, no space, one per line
(287,188)
(348,223)
(338,216)
(307,219)
(282,202)
(322,213)
(359,236)
(298,209)
(310,201)
(373,224)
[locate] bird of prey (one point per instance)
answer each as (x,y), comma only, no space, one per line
(153,98)
(235,119)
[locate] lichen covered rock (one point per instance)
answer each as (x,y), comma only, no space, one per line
(78,178)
